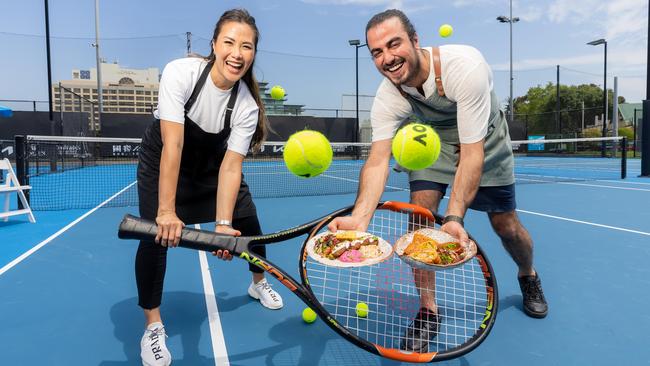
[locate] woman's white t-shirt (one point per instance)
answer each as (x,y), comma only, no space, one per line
(466,79)
(209,111)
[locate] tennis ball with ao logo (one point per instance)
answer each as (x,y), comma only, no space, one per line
(308,315)
(277,92)
(362,310)
(445,30)
(416,146)
(307,153)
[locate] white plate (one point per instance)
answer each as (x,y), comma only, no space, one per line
(439,236)
(384,246)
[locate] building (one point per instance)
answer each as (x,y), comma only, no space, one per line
(123,90)
(130,91)
(277,107)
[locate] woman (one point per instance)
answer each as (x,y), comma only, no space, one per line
(190,170)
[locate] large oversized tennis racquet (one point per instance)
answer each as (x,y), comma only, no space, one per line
(466,296)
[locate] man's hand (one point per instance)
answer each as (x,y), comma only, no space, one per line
(372,178)
(224,229)
(169,229)
(348,223)
(456,230)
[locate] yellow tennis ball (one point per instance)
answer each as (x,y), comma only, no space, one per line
(445,30)
(416,146)
(277,92)
(307,153)
(362,310)
(308,315)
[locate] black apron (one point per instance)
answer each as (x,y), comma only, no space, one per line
(203,152)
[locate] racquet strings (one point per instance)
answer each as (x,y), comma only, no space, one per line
(391,294)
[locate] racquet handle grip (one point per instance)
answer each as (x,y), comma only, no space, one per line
(137,228)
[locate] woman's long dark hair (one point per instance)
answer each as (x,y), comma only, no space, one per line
(242,16)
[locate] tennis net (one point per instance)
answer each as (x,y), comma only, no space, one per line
(83,172)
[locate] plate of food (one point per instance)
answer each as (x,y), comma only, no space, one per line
(348,249)
(432,250)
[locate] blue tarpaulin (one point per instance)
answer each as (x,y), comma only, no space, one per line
(5,112)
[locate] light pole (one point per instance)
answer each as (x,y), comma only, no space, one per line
(510,20)
(49,72)
(645,124)
(596,43)
(357,44)
(100,101)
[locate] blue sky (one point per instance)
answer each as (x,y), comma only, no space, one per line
(304,43)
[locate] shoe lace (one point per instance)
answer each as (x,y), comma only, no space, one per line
(533,290)
(267,287)
(156,332)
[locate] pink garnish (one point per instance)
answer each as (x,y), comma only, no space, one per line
(351,255)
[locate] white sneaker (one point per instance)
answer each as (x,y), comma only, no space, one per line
(153,350)
(267,296)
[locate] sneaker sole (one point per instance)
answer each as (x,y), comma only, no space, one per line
(151,364)
(535,315)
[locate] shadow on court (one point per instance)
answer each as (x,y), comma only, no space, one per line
(301,344)
(512,301)
(182,317)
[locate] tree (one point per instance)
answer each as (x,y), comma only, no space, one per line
(538,108)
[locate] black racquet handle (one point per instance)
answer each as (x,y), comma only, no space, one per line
(137,228)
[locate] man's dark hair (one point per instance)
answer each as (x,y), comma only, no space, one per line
(390,13)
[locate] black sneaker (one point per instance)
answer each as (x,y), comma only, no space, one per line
(535,304)
(421,331)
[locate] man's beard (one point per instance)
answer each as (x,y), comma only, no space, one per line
(413,70)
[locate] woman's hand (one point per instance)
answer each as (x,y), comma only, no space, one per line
(228,230)
(169,229)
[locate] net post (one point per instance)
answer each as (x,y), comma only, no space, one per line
(624,158)
(21,165)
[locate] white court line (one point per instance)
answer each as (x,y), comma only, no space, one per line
(216,332)
(357,181)
(579,221)
(559,217)
(585,222)
(586,185)
(623,182)
(604,186)
(64,229)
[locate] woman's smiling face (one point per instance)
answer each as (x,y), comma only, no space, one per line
(234,50)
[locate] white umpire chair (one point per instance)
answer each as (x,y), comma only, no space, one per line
(11,185)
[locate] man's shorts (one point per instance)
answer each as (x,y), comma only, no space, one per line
(487,199)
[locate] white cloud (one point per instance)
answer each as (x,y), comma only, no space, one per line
(621,20)
(407,6)
(531,13)
(626,21)
(404,5)
(462,3)
(624,61)
(354,2)
(575,11)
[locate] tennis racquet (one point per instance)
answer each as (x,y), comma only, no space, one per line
(466,296)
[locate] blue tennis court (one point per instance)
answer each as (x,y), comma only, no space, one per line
(69,295)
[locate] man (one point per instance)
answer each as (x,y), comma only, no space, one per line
(449,88)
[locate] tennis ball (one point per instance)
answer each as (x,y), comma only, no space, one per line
(307,153)
(277,92)
(416,146)
(445,30)
(308,315)
(362,309)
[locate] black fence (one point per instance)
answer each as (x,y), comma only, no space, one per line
(133,126)
(566,124)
